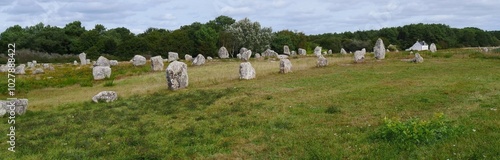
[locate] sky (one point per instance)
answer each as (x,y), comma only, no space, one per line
(307,16)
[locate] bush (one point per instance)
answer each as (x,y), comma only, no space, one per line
(415,131)
(24,56)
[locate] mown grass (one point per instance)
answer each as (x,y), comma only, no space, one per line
(311,113)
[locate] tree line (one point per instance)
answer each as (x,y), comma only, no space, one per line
(207,38)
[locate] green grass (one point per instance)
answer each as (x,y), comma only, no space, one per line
(312,113)
(66,75)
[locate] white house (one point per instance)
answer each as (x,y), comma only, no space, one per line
(419,46)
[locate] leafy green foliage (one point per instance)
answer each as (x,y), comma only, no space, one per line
(415,132)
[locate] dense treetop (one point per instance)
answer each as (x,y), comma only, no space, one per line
(207,38)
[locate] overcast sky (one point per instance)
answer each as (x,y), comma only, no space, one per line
(308,16)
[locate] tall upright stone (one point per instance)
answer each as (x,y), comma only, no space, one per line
(286,50)
(322,61)
(359,56)
(243,49)
(157,63)
(223,53)
(173,56)
(83,58)
(138,60)
(330,51)
(302,52)
(247,71)
(293,53)
(379,49)
(20,69)
(188,58)
(342,51)
(433,48)
(102,61)
(317,51)
(285,66)
(245,56)
(177,75)
(199,60)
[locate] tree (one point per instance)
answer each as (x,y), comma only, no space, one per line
(251,35)
(206,41)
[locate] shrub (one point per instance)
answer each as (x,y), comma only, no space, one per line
(415,131)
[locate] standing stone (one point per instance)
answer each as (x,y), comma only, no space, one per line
(209,58)
(177,75)
(268,53)
(379,49)
(101,72)
(293,53)
(102,61)
(20,69)
(157,63)
(83,59)
(317,51)
(113,62)
(245,56)
(433,48)
(359,56)
(75,62)
(257,56)
(330,51)
(223,52)
(418,58)
(21,105)
(238,56)
(4,68)
(387,51)
(87,61)
(38,71)
(243,50)
(342,51)
(188,58)
(199,60)
(247,71)
(302,52)
(138,60)
(286,50)
(30,65)
(285,66)
(363,51)
(34,63)
(485,49)
(106,96)
(324,53)
(173,56)
(322,61)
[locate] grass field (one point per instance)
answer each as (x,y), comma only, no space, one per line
(444,108)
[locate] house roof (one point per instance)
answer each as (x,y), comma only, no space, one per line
(422,43)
